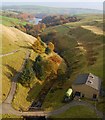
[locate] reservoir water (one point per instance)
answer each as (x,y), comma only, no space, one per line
(35,20)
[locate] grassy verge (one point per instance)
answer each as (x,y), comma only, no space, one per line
(77,112)
(19,101)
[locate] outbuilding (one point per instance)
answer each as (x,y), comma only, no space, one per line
(87,85)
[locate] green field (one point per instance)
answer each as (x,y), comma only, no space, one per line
(92,20)
(77,112)
(8,21)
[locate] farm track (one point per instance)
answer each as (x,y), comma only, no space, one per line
(76,103)
(6,105)
(10,53)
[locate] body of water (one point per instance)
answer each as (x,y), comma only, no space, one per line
(35,20)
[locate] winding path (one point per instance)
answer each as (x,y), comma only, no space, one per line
(10,53)
(6,105)
(76,103)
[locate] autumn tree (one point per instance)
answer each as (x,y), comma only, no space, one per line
(51,46)
(44,68)
(38,47)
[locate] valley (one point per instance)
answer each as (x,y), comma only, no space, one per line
(40,62)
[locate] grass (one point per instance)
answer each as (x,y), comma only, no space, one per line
(26,94)
(9,69)
(65,42)
(54,100)
(8,21)
(90,19)
(94,29)
(12,39)
(77,112)
(10,116)
(19,101)
(101,106)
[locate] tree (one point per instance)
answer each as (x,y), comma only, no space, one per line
(51,46)
(47,50)
(38,47)
(27,75)
(44,68)
(38,58)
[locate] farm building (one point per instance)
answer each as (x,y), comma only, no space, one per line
(87,85)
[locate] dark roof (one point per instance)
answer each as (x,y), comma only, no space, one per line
(81,79)
(88,79)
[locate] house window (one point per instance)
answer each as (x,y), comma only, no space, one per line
(94,96)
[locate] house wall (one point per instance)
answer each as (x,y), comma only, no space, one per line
(86,90)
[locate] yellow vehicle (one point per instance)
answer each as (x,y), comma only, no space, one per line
(69,95)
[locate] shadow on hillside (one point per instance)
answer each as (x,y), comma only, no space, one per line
(26,47)
(32,94)
(12,74)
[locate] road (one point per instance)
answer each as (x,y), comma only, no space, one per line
(10,53)
(76,103)
(6,105)
(7,109)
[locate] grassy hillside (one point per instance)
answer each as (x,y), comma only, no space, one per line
(82,50)
(92,20)
(8,21)
(12,39)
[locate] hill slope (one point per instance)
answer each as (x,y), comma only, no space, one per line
(8,21)
(12,40)
(82,50)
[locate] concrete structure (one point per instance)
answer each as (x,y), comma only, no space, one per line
(87,85)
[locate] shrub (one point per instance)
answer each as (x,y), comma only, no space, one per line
(51,46)
(38,47)
(27,75)
(44,68)
(47,50)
